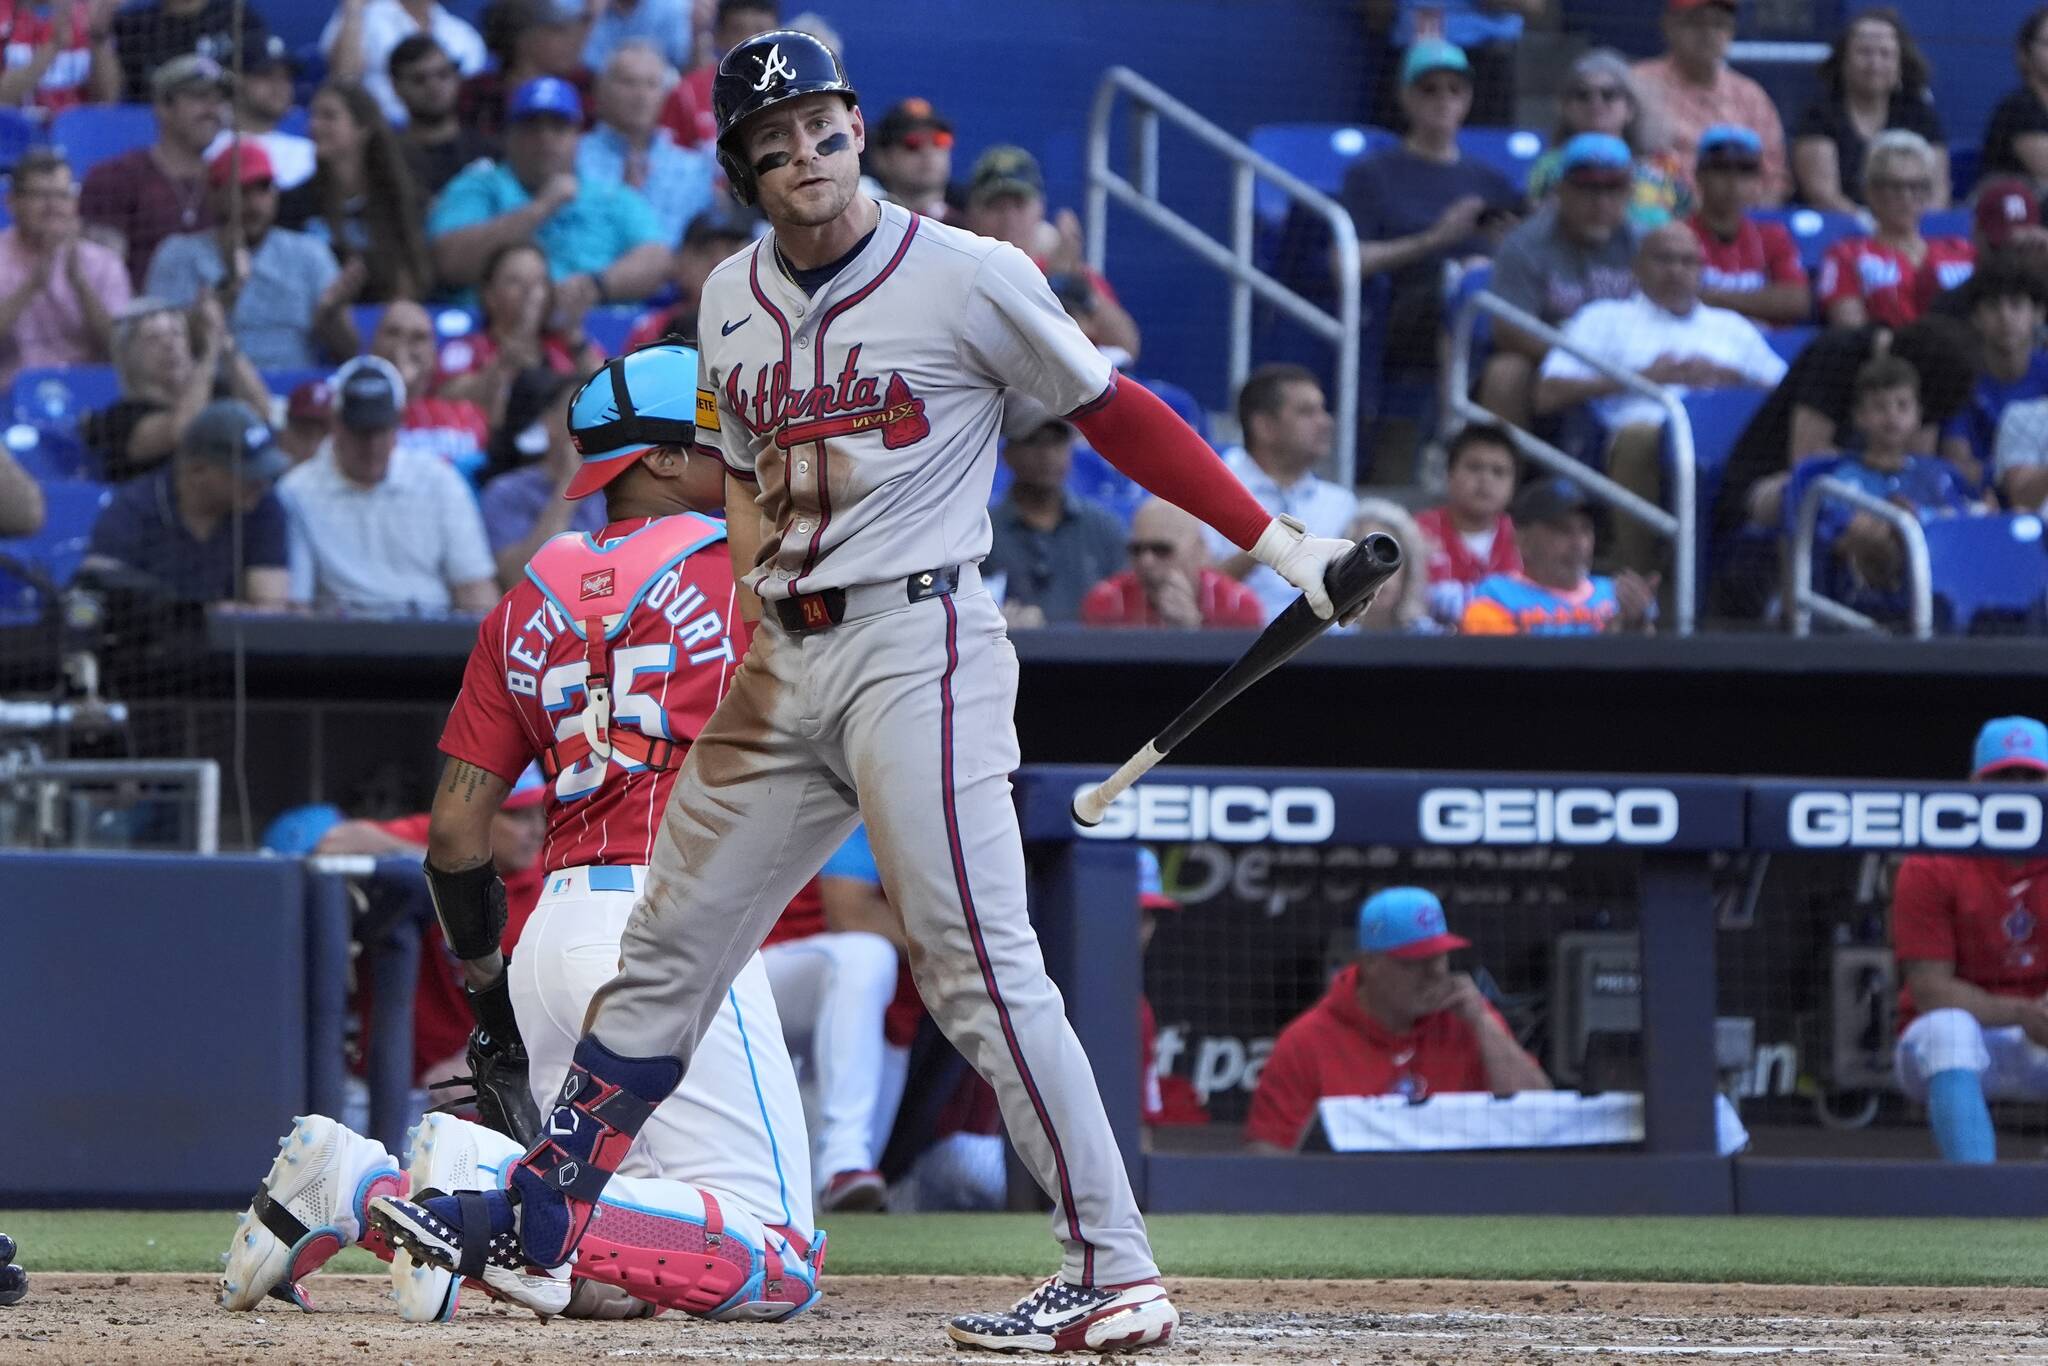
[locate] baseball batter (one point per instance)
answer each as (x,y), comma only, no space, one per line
(853,373)
(604,663)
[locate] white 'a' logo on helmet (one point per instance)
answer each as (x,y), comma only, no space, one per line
(773,67)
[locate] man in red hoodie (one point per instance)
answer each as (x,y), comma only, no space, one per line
(1398,1021)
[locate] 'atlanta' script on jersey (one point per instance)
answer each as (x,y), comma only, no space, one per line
(823,412)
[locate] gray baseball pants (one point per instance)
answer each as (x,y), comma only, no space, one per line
(903,715)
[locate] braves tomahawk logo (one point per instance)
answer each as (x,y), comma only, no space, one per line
(851,404)
(773,67)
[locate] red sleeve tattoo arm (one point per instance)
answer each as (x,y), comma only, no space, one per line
(1144,438)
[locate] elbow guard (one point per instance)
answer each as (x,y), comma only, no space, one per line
(471,908)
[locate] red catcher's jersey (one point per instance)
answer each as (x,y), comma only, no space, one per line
(670,665)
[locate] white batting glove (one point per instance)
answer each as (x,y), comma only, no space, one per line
(1286,548)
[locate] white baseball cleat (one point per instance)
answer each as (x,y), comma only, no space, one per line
(1060,1317)
(310,1206)
(449,1155)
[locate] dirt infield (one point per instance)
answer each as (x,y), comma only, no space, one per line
(155,1320)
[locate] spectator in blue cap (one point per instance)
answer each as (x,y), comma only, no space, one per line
(1575,250)
(1601,96)
(1751,267)
(1971,935)
(1420,203)
(1488,30)
(1397,1021)
(602,241)
(174,530)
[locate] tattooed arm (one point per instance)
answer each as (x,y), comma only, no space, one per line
(459,838)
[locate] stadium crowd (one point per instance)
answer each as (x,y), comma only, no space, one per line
(494,208)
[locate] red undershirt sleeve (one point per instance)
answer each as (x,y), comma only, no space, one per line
(1136,432)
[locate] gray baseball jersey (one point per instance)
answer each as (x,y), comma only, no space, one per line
(877,403)
(867,416)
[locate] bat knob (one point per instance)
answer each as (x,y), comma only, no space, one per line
(1088,807)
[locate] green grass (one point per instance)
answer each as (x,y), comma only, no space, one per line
(1788,1251)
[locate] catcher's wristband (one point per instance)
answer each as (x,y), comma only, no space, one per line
(492,1007)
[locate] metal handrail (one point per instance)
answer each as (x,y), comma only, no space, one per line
(1805,603)
(1340,329)
(1680,524)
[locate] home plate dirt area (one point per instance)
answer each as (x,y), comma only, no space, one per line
(155,1319)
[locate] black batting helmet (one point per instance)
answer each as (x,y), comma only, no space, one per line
(761,73)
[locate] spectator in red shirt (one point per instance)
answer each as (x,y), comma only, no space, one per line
(1751,267)
(1973,953)
(1397,1021)
(518,302)
(134,201)
(1471,533)
(687,111)
(1169,582)
(1892,275)
(58,56)
(454,429)
(1006,201)
(712,236)
(441,1017)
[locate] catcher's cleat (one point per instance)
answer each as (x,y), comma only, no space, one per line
(473,1235)
(449,1154)
(1060,1317)
(310,1206)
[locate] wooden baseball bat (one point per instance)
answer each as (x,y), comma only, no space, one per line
(1351,579)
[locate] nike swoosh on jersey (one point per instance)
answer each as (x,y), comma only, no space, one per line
(729,328)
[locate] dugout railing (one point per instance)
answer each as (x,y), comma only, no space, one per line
(1680,828)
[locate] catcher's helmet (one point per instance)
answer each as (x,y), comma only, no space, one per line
(643,399)
(760,73)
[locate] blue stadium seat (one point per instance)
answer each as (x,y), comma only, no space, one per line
(56,398)
(48,453)
(1813,232)
(1182,402)
(93,133)
(1317,152)
(55,551)
(1964,161)
(366,317)
(608,326)
(1983,565)
(1511,151)
(18,133)
(1788,342)
(1946,223)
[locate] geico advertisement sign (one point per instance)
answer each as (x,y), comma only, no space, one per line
(1544,815)
(1228,813)
(1914,820)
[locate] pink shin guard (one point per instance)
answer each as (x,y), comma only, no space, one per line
(677,1262)
(373,1240)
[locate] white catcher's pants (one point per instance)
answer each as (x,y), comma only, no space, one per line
(735,1125)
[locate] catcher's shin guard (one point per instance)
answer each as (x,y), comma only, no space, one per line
(695,1263)
(604,1102)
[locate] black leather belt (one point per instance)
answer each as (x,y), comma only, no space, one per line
(823,610)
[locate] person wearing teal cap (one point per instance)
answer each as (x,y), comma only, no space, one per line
(1973,958)
(1397,1021)
(1421,203)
